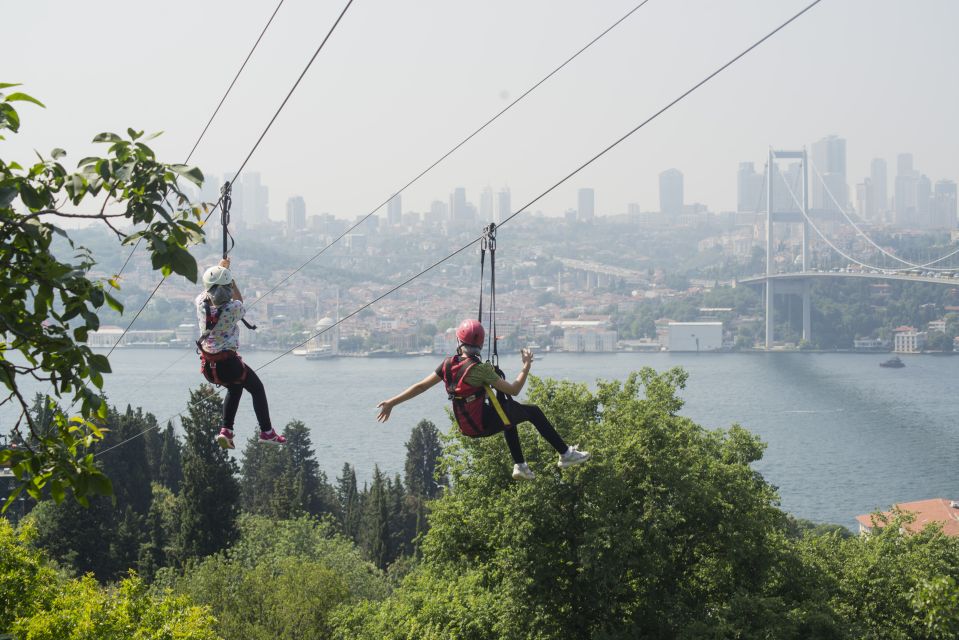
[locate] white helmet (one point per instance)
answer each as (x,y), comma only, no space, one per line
(217,275)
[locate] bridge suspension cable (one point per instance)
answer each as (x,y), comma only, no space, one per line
(855,226)
(819,232)
(525,207)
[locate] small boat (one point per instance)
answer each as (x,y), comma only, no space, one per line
(894,363)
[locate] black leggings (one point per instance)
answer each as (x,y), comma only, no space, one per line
(232,369)
(517,413)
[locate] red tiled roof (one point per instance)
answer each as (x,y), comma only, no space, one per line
(925,512)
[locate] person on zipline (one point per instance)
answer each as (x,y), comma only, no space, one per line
(220,310)
(477,410)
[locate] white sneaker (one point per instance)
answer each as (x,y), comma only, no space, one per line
(572,457)
(522,472)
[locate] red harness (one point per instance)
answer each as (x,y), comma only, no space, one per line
(208,361)
(467,400)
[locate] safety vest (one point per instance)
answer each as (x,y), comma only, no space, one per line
(468,400)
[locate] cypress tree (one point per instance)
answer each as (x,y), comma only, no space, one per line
(210,494)
(349,500)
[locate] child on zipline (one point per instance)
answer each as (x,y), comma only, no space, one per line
(219,311)
(468,383)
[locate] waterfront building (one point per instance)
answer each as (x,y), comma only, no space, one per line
(908,340)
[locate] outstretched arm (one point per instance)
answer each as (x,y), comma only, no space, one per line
(387,405)
(513,388)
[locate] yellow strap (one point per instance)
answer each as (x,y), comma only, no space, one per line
(496,405)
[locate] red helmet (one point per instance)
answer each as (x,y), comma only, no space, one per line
(471,332)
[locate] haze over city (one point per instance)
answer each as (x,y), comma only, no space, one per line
(399,84)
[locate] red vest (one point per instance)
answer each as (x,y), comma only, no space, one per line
(467,400)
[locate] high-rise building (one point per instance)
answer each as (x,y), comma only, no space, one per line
(879,194)
(924,201)
(671,192)
(829,158)
(295,214)
(394,210)
(486,205)
(586,204)
(906,191)
(439,212)
(787,187)
(750,191)
(503,205)
(864,199)
(256,200)
(458,211)
(944,205)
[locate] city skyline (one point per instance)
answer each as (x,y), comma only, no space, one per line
(344,148)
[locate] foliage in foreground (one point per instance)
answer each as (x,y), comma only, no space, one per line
(281,580)
(49,304)
(667,533)
(37,603)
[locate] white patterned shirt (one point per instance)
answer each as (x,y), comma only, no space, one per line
(225,335)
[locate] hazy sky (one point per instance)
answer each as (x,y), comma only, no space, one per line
(401,82)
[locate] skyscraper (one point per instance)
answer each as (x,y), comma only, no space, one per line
(924,201)
(503,205)
(671,192)
(586,204)
(394,210)
(907,179)
(295,214)
(750,194)
(944,205)
(829,158)
(486,205)
(256,200)
(879,193)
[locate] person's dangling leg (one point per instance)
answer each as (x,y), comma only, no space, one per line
(261,408)
(492,423)
(230,404)
(568,456)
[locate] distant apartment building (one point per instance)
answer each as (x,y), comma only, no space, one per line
(944,212)
(879,193)
(695,336)
(295,214)
(394,210)
(750,194)
(908,340)
(671,192)
(586,204)
(587,336)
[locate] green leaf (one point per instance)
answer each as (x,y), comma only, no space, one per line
(107,137)
(57,491)
(57,153)
(30,196)
(88,160)
(99,362)
(134,134)
(22,97)
(7,195)
(153,135)
(193,174)
(7,85)
(112,302)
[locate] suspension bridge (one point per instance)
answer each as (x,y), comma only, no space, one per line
(777,281)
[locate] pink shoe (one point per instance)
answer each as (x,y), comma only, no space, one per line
(271,437)
(225,439)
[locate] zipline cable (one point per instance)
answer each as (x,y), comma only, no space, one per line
(517,212)
(454,149)
(572,173)
(249,155)
(422,173)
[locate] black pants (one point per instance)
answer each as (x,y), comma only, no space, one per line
(232,369)
(517,413)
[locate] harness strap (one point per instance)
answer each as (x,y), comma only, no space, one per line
(493,400)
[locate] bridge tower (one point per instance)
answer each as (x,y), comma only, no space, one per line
(792,286)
